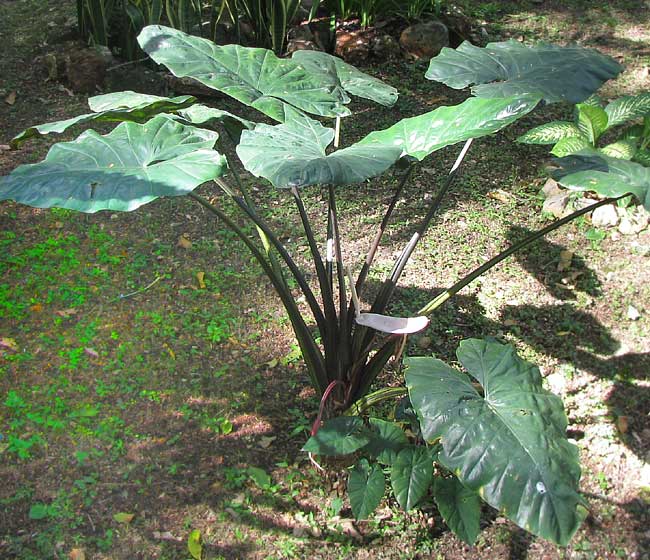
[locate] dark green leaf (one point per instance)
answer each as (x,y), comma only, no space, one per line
(509,445)
(549,133)
(347,77)
(420,136)
(108,108)
(339,436)
(642,157)
(293,155)
(411,475)
(557,73)
(459,506)
(366,486)
(386,440)
(253,76)
(605,175)
(123,170)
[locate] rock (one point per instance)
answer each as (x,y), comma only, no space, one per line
(633,222)
(86,70)
(353,46)
(604,216)
(424,40)
(384,47)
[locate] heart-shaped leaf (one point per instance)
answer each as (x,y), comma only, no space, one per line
(510,68)
(387,439)
(605,175)
(293,155)
(339,436)
(132,165)
(550,133)
(459,506)
(411,475)
(347,77)
(111,108)
(366,486)
(508,444)
(422,135)
(253,76)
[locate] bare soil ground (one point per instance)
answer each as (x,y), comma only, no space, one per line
(127,388)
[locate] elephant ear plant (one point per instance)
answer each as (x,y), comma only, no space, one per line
(496,434)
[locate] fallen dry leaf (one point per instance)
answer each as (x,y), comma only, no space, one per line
(36,308)
(91,352)
(622,424)
(9,343)
(124,517)
(77,554)
(65,313)
(500,195)
(266,441)
(11,98)
(565,260)
(200,278)
(633,313)
(184,242)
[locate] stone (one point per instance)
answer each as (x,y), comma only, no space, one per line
(604,216)
(86,70)
(424,40)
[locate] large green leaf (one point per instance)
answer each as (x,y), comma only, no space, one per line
(347,77)
(549,133)
(107,108)
(459,506)
(592,121)
(386,441)
(197,114)
(254,76)
(293,155)
(123,170)
(338,436)
(628,108)
(507,443)
(605,175)
(509,68)
(411,475)
(366,486)
(420,136)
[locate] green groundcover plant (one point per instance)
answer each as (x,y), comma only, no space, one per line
(493,433)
